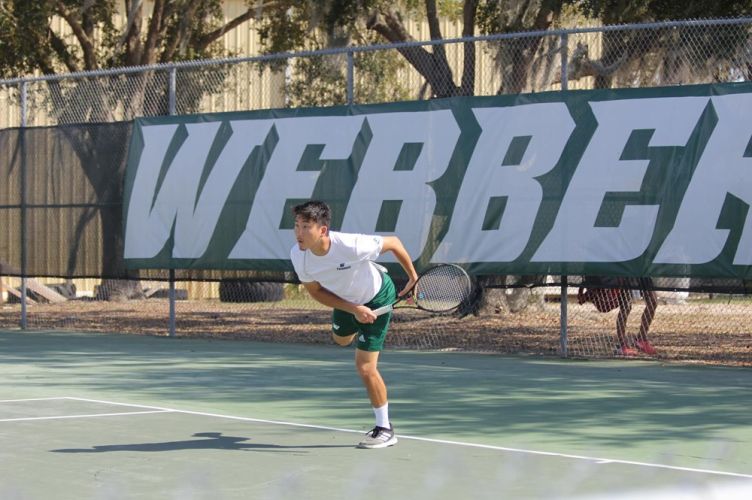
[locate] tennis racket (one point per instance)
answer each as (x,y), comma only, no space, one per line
(440,289)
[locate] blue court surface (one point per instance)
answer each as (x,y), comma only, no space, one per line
(125,416)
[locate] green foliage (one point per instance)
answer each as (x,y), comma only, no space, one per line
(284,30)
(317,81)
(669,56)
(494,16)
(188,28)
(28,43)
(377,77)
(451,9)
(322,81)
(293,26)
(23,47)
(630,11)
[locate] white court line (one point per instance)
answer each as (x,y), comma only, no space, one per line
(595,460)
(91,415)
(29,399)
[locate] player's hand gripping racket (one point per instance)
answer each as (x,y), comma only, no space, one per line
(441,289)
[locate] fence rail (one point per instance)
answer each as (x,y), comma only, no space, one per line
(644,55)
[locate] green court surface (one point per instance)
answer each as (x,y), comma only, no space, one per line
(118,416)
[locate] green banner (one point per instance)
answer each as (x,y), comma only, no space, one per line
(632,182)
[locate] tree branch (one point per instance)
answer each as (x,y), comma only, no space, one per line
(434,30)
(87,22)
(130,37)
(180,37)
(581,66)
(523,49)
(156,30)
(87,45)
(59,47)
(201,43)
(469,10)
(204,41)
(388,25)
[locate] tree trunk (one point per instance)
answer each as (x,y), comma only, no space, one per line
(101,150)
(495,295)
(119,284)
(115,290)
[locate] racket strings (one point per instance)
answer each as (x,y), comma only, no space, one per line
(442,288)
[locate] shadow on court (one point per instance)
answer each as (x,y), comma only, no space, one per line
(634,410)
(209,441)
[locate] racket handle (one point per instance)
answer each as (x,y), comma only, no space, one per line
(383,310)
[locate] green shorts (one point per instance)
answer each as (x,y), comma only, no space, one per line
(370,336)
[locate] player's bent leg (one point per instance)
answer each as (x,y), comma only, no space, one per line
(343,340)
(344,327)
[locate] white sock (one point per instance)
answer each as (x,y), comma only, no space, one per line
(382,416)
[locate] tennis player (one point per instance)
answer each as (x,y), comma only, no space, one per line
(338,271)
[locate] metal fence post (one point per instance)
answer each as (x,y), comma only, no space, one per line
(350,76)
(171,92)
(563,317)
(172,303)
(564,303)
(24,263)
(564,61)
(172,110)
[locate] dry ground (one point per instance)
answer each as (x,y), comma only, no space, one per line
(698,331)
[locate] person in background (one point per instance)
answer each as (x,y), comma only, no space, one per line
(647,290)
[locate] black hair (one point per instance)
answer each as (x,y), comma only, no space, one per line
(314,211)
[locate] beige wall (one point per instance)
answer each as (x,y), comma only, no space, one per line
(85,287)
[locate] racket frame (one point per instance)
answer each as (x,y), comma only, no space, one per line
(390,307)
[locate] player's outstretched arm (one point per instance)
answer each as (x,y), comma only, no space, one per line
(394,244)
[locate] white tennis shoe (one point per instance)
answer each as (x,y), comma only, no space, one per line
(379,437)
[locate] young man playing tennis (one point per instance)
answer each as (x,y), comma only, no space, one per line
(337,269)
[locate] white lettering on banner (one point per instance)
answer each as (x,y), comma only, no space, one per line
(574,237)
(378,181)
(498,199)
(149,226)
(548,126)
(178,201)
(143,232)
(722,170)
(262,238)
(194,228)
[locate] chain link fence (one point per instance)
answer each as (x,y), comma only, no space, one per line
(62,192)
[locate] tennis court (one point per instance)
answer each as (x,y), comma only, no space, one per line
(125,416)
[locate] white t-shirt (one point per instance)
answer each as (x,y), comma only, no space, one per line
(347,269)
